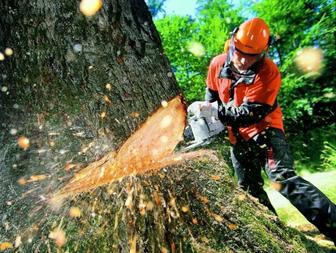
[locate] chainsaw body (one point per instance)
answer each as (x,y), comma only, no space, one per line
(203,124)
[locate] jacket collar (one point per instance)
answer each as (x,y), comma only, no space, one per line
(228,71)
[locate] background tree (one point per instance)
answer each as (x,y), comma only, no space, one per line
(191,42)
(297,25)
(308,99)
(156,7)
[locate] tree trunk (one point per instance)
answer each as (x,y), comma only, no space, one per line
(77,87)
(63,62)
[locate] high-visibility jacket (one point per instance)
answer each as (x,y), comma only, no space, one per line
(262,91)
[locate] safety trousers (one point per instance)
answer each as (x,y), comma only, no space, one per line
(269,150)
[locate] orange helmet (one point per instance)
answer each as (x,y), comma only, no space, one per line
(252,36)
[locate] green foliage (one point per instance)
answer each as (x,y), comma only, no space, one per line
(155,6)
(210,29)
(306,99)
(313,150)
(216,20)
(329,155)
(297,25)
(176,32)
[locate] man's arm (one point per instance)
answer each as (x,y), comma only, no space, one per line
(244,115)
(211,95)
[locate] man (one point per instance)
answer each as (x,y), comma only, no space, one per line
(245,82)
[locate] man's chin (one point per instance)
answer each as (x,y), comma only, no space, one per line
(239,67)
(242,70)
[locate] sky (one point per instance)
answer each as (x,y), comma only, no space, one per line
(178,7)
(188,7)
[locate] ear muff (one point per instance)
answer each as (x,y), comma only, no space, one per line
(227,45)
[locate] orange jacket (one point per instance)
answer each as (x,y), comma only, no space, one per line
(264,90)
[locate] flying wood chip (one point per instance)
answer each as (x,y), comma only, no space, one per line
(149,148)
(35,178)
(232,226)
(23,142)
(6,245)
(59,237)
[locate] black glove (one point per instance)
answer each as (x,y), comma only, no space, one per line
(222,111)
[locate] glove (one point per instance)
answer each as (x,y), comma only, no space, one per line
(222,113)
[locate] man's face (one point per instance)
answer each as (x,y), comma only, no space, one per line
(242,62)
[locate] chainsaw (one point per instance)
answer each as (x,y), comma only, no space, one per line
(203,124)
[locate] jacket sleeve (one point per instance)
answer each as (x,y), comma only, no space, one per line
(211,95)
(244,115)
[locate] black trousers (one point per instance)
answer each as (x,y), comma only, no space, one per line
(270,150)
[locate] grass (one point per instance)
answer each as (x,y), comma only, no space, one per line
(314,150)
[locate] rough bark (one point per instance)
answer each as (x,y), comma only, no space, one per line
(62,62)
(66,72)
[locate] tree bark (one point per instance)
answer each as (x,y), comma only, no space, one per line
(75,86)
(63,61)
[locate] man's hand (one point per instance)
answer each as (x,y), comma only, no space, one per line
(222,112)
